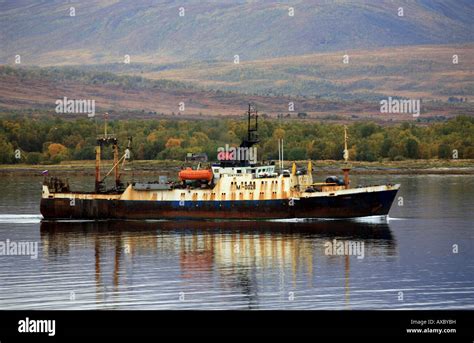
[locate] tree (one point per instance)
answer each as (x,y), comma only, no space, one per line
(367,129)
(444,151)
(172,153)
(57,152)
(365,153)
(412,148)
(34,158)
(297,154)
(6,151)
(173,142)
(279,133)
(386,146)
(198,139)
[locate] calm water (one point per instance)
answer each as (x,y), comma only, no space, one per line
(408,260)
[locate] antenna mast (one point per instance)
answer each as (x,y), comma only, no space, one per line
(346,151)
(347,167)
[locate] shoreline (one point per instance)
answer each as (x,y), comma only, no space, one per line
(408,167)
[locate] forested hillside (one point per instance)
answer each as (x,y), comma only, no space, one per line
(53,139)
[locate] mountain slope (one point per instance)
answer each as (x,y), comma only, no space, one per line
(42,32)
(35,90)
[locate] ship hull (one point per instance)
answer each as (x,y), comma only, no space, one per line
(341,206)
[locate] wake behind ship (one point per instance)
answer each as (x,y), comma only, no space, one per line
(230,189)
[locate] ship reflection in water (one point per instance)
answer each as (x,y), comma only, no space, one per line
(219,265)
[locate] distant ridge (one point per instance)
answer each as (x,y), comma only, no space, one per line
(104,31)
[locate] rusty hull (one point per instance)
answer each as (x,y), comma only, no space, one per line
(344,204)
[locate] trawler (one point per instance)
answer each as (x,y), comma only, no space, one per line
(230,189)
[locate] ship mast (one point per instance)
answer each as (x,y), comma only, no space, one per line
(106,140)
(248,141)
(346,151)
(347,167)
(106,116)
(252,131)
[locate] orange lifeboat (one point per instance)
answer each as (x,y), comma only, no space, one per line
(190,174)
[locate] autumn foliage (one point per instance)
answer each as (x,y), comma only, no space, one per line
(54,139)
